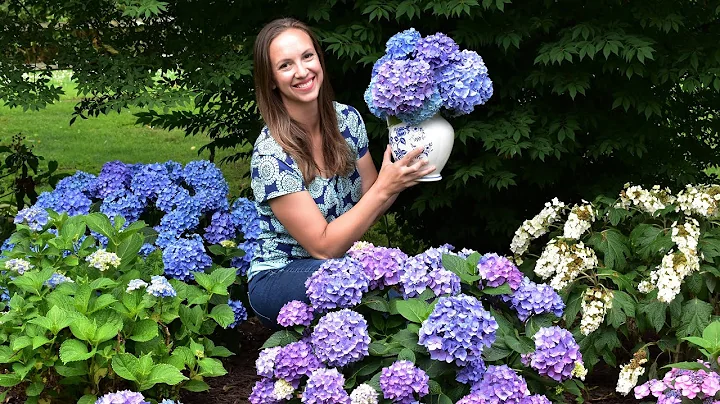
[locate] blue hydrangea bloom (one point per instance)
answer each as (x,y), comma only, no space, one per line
(146,249)
(7,246)
(402,380)
(414,277)
(472,373)
(179,221)
(72,202)
(427,110)
(325,386)
(262,392)
(500,384)
(464,84)
(122,397)
(165,237)
(239,310)
(209,184)
(174,170)
(80,181)
(368,97)
(382,265)
(340,338)
(57,279)
(246,213)
(223,226)
(438,50)
(149,180)
(432,257)
(124,204)
(443,282)
(458,329)
(556,353)
(176,197)
(295,313)
(338,283)
(402,44)
(114,176)
(533,299)
(185,255)
(496,271)
(294,361)
(160,287)
(34,217)
(5,295)
(242,264)
(402,86)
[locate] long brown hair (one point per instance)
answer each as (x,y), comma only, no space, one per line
(286,131)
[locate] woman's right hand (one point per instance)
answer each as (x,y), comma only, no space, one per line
(397,176)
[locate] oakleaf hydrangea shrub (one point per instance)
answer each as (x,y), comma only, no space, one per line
(641,269)
(188,207)
(379,326)
(83,318)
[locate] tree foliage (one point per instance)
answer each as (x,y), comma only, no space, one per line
(588,96)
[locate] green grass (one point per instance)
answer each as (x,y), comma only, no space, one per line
(88,144)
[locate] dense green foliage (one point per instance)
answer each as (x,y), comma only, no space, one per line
(588,96)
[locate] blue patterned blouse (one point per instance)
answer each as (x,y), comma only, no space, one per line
(274,173)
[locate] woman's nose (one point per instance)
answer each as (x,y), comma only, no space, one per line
(301,71)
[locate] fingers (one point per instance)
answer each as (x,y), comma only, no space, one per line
(387,155)
(411,155)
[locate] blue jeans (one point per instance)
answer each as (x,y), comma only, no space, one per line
(269,290)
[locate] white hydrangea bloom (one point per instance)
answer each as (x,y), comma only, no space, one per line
(228,244)
(136,284)
(265,363)
(103,260)
(579,371)
(649,201)
(361,245)
(18,265)
(364,394)
(630,373)
(596,302)
(564,262)
(282,390)
(673,269)
(687,235)
(536,227)
(579,221)
(702,200)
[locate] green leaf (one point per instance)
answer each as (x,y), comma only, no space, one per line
(186,355)
(20,343)
(696,316)
(73,228)
(702,342)
(38,341)
(99,223)
(162,373)
(196,386)
(686,365)
(204,280)
(574,303)
(224,277)
(102,302)
(614,247)
(406,354)
(211,367)
(223,315)
(83,329)
(87,399)
(75,369)
(73,350)
(503,289)
(128,250)
(655,311)
(34,389)
(712,333)
(650,241)
(375,302)
(144,330)
(495,353)
(408,339)
(535,323)
(460,267)
(59,318)
(414,310)
(102,283)
(280,338)
(9,380)
(221,352)
(125,365)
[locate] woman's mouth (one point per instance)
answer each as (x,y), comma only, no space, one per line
(306,85)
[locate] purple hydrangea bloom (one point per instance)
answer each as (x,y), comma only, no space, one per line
(124,204)
(535,399)
(294,361)
(149,180)
(341,337)
(34,217)
(443,282)
(532,299)
(265,363)
(239,311)
(209,184)
(458,329)
(223,226)
(427,110)
(80,181)
(338,283)
(114,176)
(500,384)
(414,277)
(556,353)
(122,397)
(381,264)
(432,257)
(185,255)
(496,271)
(472,398)
(402,44)
(262,392)
(438,50)
(242,264)
(465,83)
(325,386)
(402,86)
(402,380)
(294,313)
(472,373)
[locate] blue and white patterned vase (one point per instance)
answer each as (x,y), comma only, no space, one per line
(435,135)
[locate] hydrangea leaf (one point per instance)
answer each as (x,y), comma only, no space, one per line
(34,389)
(223,315)
(376,303)
(73,350)
(211,367)
(102,302)
(696,316)
(87,399)
(613,245)
(406,354)
(712,333)
(162,373)
(144,330)
(74,369)
(125,365)
(99,223)
(408,339)
(414,310)
(38,341)
(9,380)
(196,386)
(280,338)
(20,343)
(655,311)
(128,249)
(186,355)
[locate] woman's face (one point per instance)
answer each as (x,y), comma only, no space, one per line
(296,67)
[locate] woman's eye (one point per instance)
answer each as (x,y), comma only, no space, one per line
(283,66)
(309,55)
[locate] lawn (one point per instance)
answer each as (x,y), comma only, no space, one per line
(88,144)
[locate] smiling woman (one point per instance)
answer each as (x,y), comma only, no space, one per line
(315,184)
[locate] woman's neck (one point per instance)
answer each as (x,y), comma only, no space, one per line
(307,115)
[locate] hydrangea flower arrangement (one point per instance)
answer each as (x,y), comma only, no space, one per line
(420,76)
(438,326)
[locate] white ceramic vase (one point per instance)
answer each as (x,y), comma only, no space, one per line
(435,135)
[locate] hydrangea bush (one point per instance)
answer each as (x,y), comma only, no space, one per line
(437,327)
(417,77)
(641,270)
(81,317)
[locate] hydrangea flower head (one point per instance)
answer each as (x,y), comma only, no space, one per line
(262,392)
(338,283)
(294,361)
(294,313)
(136,284)
(438,50)
(325,386)
(122,203)
(496,271)
(402,44)
(149,180)
(364,394)
(245,212)
(472,373)
(184,256)
(381,264)
(80,181)
(160,287)
(243,263)
(265,363)
(72,202)
(414,277)
(457,330)
(443,282)
(209,184)
(18,265)
(401,381)
(532,299)
(103,260)
(239,311)
(122,397)
(223,226)
(402,86)
(341,337)
(34,217)
(556,353)
(56,279)
(465,84)
(114,176)
(501,384)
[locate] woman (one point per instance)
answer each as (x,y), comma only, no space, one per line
(316,186)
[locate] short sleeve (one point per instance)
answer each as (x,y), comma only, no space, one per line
(351,124)
(273,172)
(362,136)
